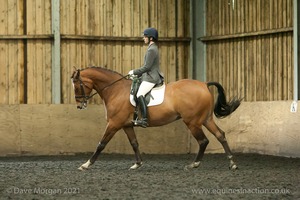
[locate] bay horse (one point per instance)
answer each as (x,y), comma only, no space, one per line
(189,100)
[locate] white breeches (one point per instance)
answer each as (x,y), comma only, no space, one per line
(145,87)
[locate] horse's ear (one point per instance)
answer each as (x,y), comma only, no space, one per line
(76,73)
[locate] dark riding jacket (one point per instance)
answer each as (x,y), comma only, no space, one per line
(150,71)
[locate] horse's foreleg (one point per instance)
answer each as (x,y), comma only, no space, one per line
(135,146)
(109,133)
(202,141)
(220,135)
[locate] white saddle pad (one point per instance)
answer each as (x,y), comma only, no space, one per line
(157,95)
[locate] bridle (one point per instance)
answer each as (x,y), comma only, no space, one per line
(87,97)
(83,94)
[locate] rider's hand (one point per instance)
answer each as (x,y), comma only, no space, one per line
(130,73)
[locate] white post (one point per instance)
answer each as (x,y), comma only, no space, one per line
(197,68)
(295,37)
(56,80)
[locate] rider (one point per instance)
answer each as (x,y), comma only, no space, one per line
(149,72)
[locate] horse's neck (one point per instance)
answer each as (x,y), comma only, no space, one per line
(102,80)
(100,77)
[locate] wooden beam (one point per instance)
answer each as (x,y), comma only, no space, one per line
(26,37)
(124,39)
(242,35)
(90,37)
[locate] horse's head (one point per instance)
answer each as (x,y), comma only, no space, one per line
(82,89)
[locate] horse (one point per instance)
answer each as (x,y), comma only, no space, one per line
(186,99)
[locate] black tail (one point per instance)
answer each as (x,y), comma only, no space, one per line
(222,107)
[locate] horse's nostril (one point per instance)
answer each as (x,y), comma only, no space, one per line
(78,107)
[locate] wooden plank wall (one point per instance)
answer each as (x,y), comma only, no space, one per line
(11,53)
(250,48)
(121,19)
(26,42)
(25,72)
(38,19)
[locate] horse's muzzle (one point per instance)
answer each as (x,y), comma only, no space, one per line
(82,106)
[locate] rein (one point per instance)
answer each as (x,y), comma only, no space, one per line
(90,96)
(114,82)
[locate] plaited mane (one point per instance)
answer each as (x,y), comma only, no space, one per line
(103,69)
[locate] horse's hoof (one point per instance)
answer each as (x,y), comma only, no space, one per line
(192,166)
(85,166)
(81,168)
(233,167)
(136,166)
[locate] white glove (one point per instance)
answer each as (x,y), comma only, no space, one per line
(130,72)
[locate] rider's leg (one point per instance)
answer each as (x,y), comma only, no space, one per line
(145,87)
(143,122)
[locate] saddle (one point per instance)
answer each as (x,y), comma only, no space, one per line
(152,98)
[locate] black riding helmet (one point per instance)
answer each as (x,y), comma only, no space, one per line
(151,32)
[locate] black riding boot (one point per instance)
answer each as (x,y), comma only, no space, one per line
(143,107)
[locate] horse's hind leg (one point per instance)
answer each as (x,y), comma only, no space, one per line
(202,141)
(220,135)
